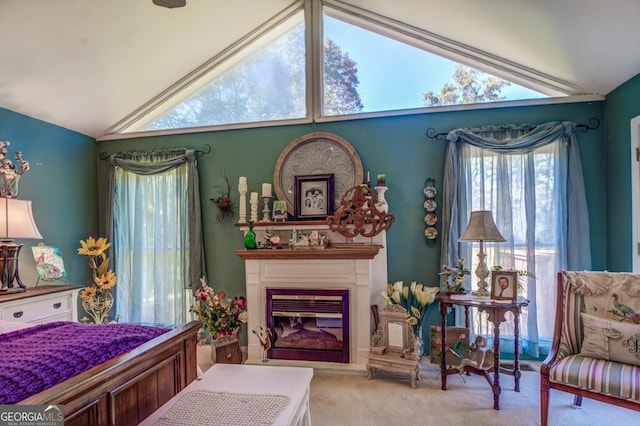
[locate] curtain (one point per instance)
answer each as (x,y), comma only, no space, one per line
(530,177)
(153,220)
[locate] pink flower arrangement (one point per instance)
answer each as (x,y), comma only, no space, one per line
(220,315)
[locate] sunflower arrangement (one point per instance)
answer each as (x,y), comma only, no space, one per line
(97,299)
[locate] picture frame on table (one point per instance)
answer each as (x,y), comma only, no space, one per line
(314,196)
(504,285)
(279,210)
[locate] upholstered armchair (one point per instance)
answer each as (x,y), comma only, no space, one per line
(595,351)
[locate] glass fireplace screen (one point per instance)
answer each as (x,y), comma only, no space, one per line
(311,325)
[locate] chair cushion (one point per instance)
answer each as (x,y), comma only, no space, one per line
(611,340)
(596,375)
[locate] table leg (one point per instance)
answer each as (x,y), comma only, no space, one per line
(516,350)
(443,345)
(496,362)
(466,316)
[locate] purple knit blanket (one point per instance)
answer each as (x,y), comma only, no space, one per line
(39,357)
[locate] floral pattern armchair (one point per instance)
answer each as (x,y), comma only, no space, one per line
(595,351)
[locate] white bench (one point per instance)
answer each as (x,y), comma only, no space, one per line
(293,382)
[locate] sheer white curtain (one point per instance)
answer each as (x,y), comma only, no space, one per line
(530,177)
(157,246)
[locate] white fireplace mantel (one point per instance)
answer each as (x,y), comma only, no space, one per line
(359,266)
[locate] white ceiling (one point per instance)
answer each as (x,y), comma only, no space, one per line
(86,64)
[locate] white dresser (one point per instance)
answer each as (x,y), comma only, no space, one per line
(40,305)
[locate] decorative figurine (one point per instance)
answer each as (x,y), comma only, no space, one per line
(264,336)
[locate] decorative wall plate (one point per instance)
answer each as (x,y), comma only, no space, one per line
(317,154)
(431,233)
(430,219)
(430,205)
(430,191)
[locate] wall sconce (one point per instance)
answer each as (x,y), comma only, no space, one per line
(482,228)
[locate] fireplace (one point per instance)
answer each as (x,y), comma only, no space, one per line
(357,271)
(309,325)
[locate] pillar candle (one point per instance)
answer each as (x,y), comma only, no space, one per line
(266,190)
(254,196)
(242,180)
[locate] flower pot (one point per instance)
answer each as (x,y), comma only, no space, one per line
(226,350)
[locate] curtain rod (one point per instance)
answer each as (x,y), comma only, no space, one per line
(205,150)
(594,123)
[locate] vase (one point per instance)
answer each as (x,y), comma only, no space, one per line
(420,342)
(98,308)
(250,238)
(381,203)
(9,185)
(226,350)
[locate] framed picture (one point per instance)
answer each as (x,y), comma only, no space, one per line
(313,196)
(49,262)
(279,210)
(504,285)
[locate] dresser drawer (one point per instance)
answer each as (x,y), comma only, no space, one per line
(41,305)
(36,309)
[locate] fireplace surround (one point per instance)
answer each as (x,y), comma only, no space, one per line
(357,267)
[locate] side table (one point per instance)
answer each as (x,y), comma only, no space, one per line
(496,311)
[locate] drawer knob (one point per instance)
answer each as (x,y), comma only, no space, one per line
(57,305)
(17,314)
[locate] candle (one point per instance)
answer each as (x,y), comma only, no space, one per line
(242,180)
(254,196)
(368,180)
(381,180)
(266,190)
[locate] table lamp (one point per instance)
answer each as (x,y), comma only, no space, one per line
(482,228)
(16,221)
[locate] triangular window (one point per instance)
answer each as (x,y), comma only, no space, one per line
(262,82)
(367,68)
(383,74)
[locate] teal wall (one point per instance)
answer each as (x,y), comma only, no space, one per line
(621,106)
(62,186)
(396,146)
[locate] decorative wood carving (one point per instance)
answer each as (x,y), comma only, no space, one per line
(358,214)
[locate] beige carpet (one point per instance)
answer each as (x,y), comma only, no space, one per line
(388,400)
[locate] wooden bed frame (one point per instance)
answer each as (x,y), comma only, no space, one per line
(128,388)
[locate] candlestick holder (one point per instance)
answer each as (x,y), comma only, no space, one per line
(253,202)
(265,209)
(242,210)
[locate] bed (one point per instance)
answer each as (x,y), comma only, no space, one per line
(124,389)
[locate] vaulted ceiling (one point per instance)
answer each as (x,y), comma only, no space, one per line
(86,64)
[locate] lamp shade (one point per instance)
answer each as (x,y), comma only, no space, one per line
(16,220)
(481,227)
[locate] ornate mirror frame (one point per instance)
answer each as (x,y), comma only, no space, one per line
(393,335)
(317,153)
